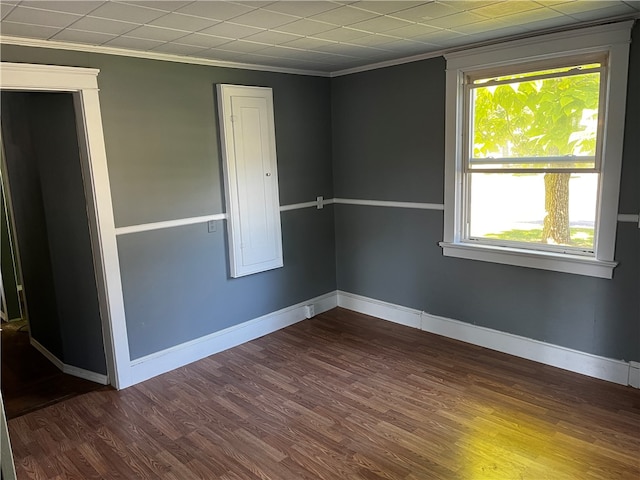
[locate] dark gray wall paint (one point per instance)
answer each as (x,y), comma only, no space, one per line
(392,254)
(53,125)
(385,123)
(30,222)
(177,287)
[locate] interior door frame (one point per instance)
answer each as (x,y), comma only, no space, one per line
(83,84)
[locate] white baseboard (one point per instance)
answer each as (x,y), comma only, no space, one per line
(166,360)
(69,369)
(616,371)
(377,308)
(634,374)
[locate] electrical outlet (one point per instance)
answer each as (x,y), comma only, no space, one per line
(211,226)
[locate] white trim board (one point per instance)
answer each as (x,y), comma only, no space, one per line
(616,371)
(387,203)
(144,227)
(177,356)
(629,218)
(69,369)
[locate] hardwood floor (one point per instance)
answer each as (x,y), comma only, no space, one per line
(342,396)
(29,380)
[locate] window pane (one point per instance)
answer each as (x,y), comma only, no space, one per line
(558,210)
(540,123)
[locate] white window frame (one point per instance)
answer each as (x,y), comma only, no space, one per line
(612,40)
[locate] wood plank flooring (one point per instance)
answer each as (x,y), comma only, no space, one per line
(342,396)
(30,381)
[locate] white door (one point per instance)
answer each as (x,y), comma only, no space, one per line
(251,178)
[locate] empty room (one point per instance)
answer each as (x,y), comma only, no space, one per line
(321,239)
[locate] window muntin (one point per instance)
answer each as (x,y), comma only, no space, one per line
(534,133)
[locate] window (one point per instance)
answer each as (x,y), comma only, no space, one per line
(534,147)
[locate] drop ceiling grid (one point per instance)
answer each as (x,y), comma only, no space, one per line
(312,35)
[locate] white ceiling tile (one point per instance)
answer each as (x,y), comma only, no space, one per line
(164,5)
(484,26)
(441,37)
(305,27)
(215,54)
(35,16)
(79,36)
(5,9)
(633,4)
(551,3)
(231,30)
(127,13)
(428,11)
(178,49)
(547,23)
(456,20)
(344,16)
(468,5)
(502,9)
(340,34)
(156,33)
(80,8)
(29,31)
(373,40)
(272,38)
(103,25)
(413,30)
(264,19)
(205,41)
(612,11)
(406,47)
(381,24)
(253,4)
(133,43)
(215,10)
(386,7)
(524,18)
(570,8)
(183,22)
(283,52)
(301,9)
(307,43)
(243,46)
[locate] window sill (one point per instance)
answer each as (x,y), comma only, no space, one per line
(557,262)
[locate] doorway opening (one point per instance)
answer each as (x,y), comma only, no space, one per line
(61,326)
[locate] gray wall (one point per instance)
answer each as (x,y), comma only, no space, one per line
(161,135)
(388,144)
(53,233)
